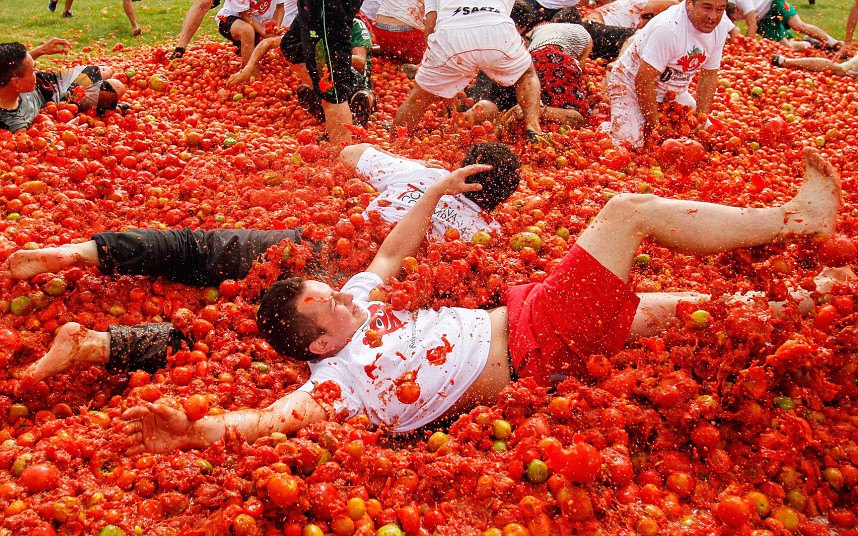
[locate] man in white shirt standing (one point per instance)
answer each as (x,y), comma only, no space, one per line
(660,64)
(464,37)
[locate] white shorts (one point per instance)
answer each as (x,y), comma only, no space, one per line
(454,56)
(627,120)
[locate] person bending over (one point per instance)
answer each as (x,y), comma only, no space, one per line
(465,37)
(362,100)
(661,61)
(24,90)
(558,51)
(398,30)
(405,369)
(244,23)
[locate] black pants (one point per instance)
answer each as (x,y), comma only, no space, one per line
(321,39)
(197,258)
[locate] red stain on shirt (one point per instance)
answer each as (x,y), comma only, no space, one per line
(438,355)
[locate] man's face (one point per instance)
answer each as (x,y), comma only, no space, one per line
(26,82)
(332,311)
(705,14)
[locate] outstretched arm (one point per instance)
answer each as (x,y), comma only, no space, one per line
(851,23)
(161,428)
(751,19)
(52,46)
(408,234)
(259,52)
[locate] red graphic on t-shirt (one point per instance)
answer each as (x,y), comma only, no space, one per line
(260,6)
(381,322)
(693,60)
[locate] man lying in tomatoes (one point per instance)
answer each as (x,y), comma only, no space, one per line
(24,90)
(407,369)
(206,258)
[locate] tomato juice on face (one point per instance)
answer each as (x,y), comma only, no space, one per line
(744,421)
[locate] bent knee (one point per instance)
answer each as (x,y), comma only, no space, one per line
(627,202)
(117,86)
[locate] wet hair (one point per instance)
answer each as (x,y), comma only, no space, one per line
(732,11)
(12,56)
(524,16)
(499,182)
(286,330)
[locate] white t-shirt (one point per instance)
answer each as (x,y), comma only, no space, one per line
(675,48)
(760,7)
(408,11)
(558,4)
(289,13)
(623,13)
(261,10)
(370,8)
(454,14)
(401,184)
(444,350)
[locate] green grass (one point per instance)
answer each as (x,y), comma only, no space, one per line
(30,22)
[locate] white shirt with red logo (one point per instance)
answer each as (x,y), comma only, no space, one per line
(469,13)
(401,184)
(443,352)
(261,10)
(671,44)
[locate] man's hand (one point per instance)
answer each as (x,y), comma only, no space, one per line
(456,182)
(156,428)
(240,77)
(54,45)
(844,49)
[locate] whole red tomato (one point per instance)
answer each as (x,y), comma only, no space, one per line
(39,477)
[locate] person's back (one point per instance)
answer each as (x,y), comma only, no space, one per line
(459,14)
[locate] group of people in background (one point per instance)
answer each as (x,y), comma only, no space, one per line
(505,60)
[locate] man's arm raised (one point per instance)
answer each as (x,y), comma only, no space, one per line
(160,428)
(408,234)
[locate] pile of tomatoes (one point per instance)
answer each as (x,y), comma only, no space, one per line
(735,420)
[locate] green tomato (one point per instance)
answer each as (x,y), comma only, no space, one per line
(389,530)
(111,530)
(537,471)
(21,305)
(501,429)
(643,259)
(701,318)
(499,446)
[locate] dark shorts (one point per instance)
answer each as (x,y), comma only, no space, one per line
(197,258)
(321,39)
(581,309)
(224,27)
(607,40)
(484,88)
(143,347)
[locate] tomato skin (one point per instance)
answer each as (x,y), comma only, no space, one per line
(825,317)
(196,407)
(283,490)
(733,511)
(39,477)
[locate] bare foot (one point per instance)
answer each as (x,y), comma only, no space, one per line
(74,344)
(814,208)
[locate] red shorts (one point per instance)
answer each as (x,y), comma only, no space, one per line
(407,46)
(581,309)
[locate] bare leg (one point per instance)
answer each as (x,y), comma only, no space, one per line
(193,19)
(27,263)
(303,75)
(799,25)
(132,17)
(246,35)
(411,111)
(817,65)
(68,6)
(563,116)
(704,228)
(337,117)
(73,345)
(528,93)
(657,309)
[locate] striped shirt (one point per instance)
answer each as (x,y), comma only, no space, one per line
(572,38)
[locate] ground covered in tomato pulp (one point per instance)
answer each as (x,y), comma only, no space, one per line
(731,424)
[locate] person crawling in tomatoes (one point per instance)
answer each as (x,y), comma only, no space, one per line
(210,257)
(394,373)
